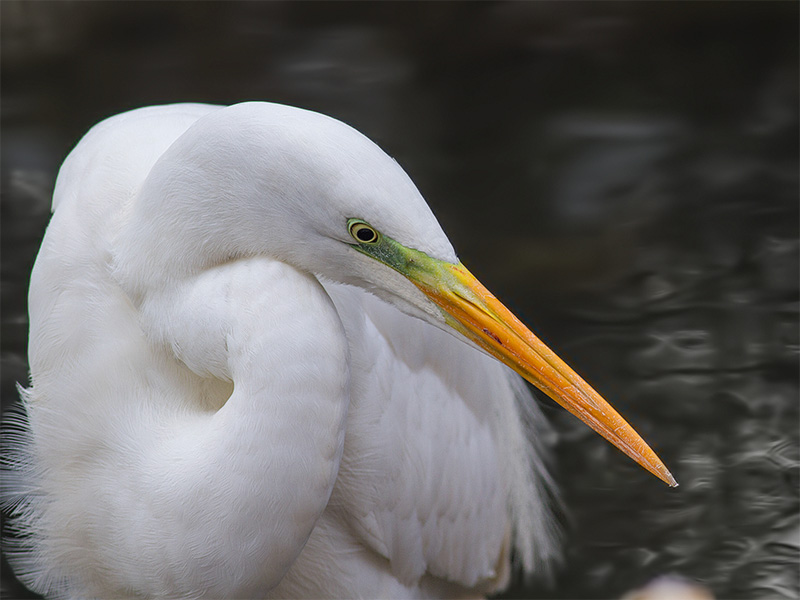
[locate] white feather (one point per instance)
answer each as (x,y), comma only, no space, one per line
(217,406)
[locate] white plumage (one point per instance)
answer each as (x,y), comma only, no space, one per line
(219,405)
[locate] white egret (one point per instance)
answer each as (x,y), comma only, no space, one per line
(249,376)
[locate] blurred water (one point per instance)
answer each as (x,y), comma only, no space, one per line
(625,176)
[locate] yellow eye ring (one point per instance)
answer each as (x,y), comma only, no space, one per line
(362,233)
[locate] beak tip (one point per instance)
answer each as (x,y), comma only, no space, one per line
(665,476)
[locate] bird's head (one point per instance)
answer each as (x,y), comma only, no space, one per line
(267,179)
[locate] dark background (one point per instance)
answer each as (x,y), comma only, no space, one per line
(624,176)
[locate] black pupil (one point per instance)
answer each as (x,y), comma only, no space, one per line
(364,234)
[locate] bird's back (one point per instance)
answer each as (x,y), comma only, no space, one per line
(94,191)
(87,355)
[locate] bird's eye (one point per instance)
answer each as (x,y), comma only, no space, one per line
(362,232)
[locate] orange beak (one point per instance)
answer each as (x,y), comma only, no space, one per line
(473,311)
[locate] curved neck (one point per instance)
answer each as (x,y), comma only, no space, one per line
(260,469)
(174,231)
(209,199)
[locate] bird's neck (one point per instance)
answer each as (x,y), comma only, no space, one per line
(262,467)
(189,214)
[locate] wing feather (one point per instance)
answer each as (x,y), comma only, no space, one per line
(438,467)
